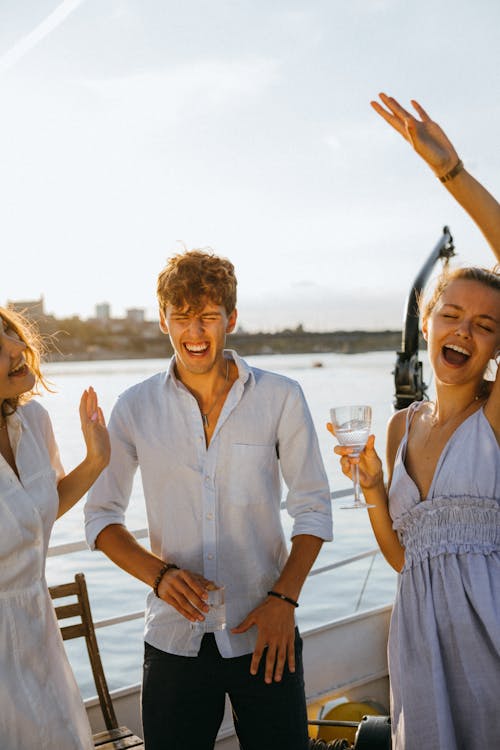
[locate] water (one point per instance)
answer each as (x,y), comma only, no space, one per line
(365,378)
(215,618)
(354,438)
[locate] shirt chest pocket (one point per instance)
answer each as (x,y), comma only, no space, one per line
(253,473)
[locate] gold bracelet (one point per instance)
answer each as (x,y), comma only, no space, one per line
(453,172)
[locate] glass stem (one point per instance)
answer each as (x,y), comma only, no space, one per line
(355,479)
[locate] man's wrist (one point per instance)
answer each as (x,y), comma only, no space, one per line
(166,567)
(283,597)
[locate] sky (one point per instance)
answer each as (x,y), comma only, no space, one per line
(132,129)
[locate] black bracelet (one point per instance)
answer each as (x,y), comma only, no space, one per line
(167,566)
(283,597)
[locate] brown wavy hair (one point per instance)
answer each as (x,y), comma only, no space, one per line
(195,277)
(35,348)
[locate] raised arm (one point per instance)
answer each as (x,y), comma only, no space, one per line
(432,144)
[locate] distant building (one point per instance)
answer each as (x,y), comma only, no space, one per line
(135,315)
(103,311)
(33,309)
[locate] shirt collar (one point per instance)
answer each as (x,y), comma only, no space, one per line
(15,421)
(15,424)
(245,373)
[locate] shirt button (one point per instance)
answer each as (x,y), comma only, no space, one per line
(210,556)
(210,516)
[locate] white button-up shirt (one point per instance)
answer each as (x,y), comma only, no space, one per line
(215,510)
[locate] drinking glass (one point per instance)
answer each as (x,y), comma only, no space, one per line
(352,427)
(215,618)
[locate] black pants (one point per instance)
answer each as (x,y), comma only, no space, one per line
(183,701)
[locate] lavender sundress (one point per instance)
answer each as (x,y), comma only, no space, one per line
(444,641)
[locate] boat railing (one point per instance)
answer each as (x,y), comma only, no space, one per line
(80,545)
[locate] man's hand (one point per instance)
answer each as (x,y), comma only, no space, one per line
(275,622)
(187,592)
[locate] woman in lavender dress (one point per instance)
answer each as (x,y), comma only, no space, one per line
(438,524)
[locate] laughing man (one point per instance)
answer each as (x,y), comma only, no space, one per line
(212,437)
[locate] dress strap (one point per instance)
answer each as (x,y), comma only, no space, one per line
(410,413)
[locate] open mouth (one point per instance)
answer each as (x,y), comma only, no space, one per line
(197,349)
(19,371)
(455,355)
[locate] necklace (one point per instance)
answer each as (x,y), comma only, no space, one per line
(206,414)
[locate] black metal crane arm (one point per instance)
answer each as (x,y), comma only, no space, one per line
(408,375)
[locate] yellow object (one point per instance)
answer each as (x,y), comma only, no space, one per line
(342,709)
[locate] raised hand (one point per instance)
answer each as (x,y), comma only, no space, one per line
(425,135)
(75,484)
(95,432)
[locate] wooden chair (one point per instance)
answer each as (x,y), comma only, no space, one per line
(115,737)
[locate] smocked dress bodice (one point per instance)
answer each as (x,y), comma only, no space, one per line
(461,512)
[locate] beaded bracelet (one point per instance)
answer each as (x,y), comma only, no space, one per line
(453,172)
(283,598)
(167,566)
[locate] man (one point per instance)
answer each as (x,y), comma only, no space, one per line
(210,437)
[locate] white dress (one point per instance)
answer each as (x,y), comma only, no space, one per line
(40,704)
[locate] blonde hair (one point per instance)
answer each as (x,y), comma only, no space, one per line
(193,277)
(35,348)
(490,278)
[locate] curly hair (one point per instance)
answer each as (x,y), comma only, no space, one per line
(195,277)
(490,278)
(29,335)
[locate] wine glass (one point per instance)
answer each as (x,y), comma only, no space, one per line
(352,427)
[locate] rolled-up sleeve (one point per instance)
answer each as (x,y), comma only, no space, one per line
(109,497)
(308,499)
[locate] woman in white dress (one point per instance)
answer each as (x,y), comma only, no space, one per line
(40,704)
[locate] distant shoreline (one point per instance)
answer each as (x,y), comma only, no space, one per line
(283,342)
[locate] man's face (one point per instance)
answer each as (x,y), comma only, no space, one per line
(197,336)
